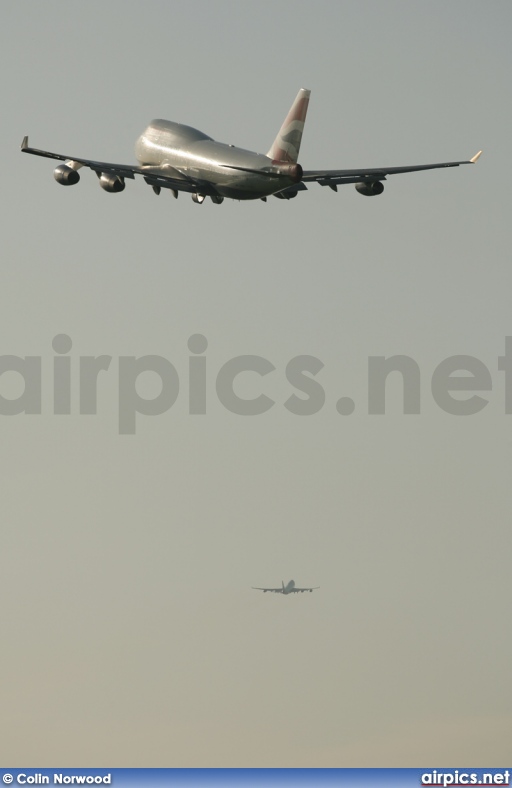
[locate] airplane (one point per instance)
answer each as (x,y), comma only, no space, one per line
(179,158)
(289,588)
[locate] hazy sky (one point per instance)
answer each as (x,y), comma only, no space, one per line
(130,633)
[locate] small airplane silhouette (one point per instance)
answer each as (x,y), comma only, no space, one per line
(289,588)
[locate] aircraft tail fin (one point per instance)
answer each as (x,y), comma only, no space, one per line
(282,583)
(286,145)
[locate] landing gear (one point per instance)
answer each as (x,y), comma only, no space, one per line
(215,198)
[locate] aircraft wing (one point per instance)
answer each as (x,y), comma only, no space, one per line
(174,179)
(301,590)
(334,178)
(280,590)
(272,590)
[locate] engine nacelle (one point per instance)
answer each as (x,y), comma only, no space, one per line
(370,188)
(111,183)
(65,175)
(287,194)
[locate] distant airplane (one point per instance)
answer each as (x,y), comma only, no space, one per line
(289,588)
(180,158)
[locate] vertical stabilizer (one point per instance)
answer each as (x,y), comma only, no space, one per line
(286,145)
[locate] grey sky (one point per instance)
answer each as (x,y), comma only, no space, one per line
(130,634)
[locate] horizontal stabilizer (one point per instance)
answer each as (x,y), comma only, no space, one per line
(252,171)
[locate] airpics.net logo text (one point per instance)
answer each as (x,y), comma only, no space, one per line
(454,383)
(457,777)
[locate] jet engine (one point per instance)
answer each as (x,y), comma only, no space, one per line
(287,194)
(65,175)
(370,188)
(111,183)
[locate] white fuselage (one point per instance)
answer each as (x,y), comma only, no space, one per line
(288,588)
(180,151)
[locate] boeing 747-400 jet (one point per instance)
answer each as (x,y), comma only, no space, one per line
(289,588)
(180,158)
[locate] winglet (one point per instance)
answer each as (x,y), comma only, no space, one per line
(24,144)
(476,157)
